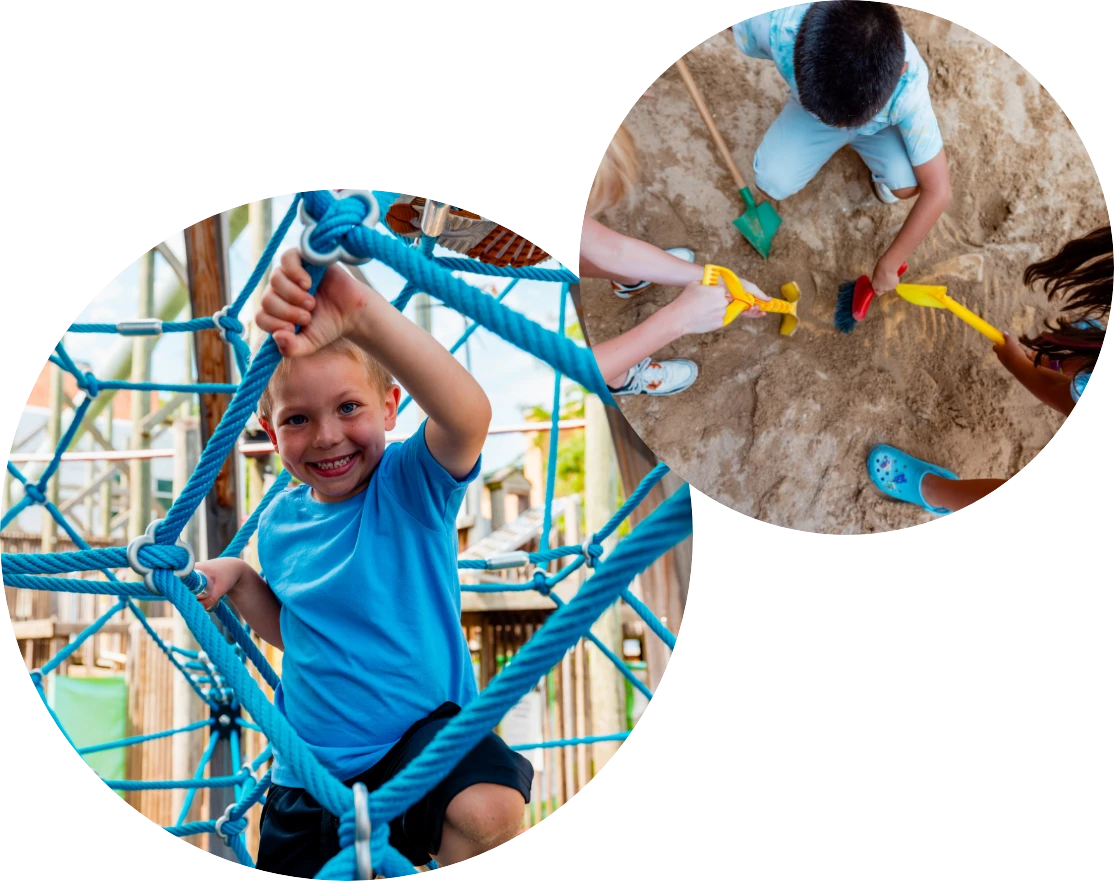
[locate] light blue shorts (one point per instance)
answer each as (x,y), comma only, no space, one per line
(798,144)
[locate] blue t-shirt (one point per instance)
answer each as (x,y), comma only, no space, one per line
(370,608)
(773,35)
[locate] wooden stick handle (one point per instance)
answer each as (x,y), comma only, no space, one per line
(698,100)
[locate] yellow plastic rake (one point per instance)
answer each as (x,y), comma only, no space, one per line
(936,297)
(742,299)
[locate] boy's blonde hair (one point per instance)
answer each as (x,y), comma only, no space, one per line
(616,176)
(377,375)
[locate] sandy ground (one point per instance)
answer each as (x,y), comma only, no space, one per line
(779,428)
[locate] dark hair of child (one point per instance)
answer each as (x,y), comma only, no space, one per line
(1083,273)
(849,56)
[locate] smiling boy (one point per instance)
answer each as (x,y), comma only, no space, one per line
(361,585)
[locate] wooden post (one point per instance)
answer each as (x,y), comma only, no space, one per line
(206,260)
(570,687)
(139,470)
(605,683)
(208,279)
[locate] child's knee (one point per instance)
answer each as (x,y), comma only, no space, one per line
(774,178)
(486,814)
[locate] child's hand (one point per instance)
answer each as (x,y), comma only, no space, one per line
(884,278)
(702,308)
(1012,354)
(323,319)
(221,575)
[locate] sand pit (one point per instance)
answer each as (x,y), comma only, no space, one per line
(779,428)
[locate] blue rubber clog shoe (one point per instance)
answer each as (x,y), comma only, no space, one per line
(899,475)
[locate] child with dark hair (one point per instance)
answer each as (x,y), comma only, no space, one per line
(1054,365)
(855,78)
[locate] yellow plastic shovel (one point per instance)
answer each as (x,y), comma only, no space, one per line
(743,299)
(936,297)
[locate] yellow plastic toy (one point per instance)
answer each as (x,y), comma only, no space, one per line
(744,300)
(936,297)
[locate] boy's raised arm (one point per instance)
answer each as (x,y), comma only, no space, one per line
(458,409)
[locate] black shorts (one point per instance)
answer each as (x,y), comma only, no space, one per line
(297,836)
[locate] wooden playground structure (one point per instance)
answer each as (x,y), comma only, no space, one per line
(117,497)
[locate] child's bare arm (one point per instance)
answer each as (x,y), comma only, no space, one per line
(699,309)
(235,579)
(935,196)
(459,411)
(605,253)
(1048,386)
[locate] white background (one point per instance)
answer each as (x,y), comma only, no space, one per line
(931,703)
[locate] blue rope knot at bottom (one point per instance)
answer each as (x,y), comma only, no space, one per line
(35,493)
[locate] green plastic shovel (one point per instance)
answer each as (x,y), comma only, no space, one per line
(759,221)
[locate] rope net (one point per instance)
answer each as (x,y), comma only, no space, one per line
(218,674)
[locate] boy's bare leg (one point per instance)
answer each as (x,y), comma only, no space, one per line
(955,494)
(481,817)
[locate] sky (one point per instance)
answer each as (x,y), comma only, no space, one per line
(512,379)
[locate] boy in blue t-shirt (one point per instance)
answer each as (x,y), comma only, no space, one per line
(361,562)
(855,78)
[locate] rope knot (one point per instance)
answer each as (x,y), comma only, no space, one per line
(334,235)
(230,322)
(228,828)
(90,385)
(540,581)
(35,493)
(146,557)
(592,552)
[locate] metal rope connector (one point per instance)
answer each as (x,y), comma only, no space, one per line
(311,255)
(363,833)
(513,560)
(226,817)
(147,572)
(139,327)
(435,215)
(223,313)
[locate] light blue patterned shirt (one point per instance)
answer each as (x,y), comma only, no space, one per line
(1078,384)
(772,36)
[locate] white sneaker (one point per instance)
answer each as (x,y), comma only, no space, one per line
(650,377)
(883,193)
(625,291)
